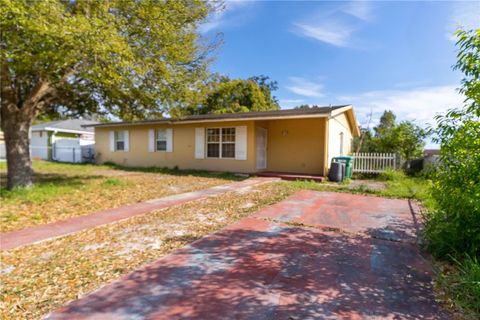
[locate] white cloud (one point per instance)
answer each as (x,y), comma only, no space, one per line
(304,87)
(464,14)
(359,9)
(331,33)
(219,16)
(419,104)
(338,25)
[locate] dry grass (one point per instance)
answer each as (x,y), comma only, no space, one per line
(40,278)
(67,190)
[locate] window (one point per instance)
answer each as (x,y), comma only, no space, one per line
(213,143)
(228,143)
(221,143)
(119,140)
(161,140)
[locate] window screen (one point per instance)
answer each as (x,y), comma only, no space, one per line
(161,140)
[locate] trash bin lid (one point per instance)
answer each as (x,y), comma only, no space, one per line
(343,158)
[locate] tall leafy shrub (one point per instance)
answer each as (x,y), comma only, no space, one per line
(455,228)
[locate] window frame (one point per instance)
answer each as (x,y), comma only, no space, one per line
(157,140)
(221,142)
(116,140)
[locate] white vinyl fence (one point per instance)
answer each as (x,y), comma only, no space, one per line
(73,154)
(3,152)
(372,162)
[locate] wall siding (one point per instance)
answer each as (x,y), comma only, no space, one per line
(295,145)
(336,125)
(183,154)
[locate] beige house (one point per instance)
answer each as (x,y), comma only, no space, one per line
(301,141)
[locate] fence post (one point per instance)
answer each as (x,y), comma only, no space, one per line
(73,149)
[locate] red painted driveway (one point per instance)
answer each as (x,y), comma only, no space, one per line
(389,219)
(259,269)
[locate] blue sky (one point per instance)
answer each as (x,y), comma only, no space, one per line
(375,55)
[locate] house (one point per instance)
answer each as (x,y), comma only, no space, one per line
(431,152)
(430,156)
(3,153)
(63,140)
(301,141)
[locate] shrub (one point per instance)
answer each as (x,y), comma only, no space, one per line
(454,229)
(430,171)
(463,285)
(392,175)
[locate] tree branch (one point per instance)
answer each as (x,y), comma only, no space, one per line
(42,94)
(7,94)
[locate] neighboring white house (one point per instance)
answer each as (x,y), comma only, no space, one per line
(63,140)
(3,154)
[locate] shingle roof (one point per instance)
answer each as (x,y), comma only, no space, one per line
(234,116)
(71,124)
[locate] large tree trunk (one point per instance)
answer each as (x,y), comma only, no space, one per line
(18,109)
(16,116)
(16,125)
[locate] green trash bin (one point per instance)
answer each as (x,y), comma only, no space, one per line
(348,160)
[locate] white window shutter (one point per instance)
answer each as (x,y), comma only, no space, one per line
(169,133)
(151,140)
(112,141)
(241,143)
(199,143)
(127,142)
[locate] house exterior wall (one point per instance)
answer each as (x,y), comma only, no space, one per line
(183,153)
(295,145)
(337,125)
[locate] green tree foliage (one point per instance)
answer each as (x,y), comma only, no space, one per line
(132,59)
(267,86)
(364,143)
(405,138)
(386,125)
(224,95)
(303,107)
(408,139)
(385,139)
(239,96)
(455,228)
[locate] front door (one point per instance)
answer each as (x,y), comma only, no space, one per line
(261,154)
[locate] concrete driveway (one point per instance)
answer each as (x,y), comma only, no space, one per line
(316,255)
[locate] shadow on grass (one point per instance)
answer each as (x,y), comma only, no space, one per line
(46,183)
(55,181)
(179,172)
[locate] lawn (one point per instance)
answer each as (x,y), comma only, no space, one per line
(66,190)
